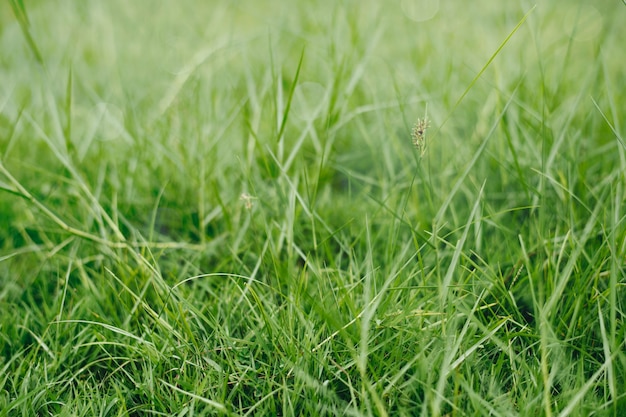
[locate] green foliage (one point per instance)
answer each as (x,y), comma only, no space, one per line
(218,209)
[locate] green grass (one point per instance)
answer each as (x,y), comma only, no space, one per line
(356,277)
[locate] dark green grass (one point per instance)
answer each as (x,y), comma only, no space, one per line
(354,277)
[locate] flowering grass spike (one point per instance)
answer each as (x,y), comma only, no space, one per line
(419,135)
(247,199)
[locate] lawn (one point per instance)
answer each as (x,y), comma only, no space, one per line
(318,208)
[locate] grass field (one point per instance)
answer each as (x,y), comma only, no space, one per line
(216,208)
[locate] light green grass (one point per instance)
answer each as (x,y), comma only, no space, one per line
(355,277)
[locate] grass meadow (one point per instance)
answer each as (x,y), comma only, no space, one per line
(217,208)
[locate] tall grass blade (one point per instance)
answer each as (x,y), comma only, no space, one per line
(20,14)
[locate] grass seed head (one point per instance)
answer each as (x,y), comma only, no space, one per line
(419,135)
(247,199)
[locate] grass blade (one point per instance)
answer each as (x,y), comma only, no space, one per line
(20,14)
